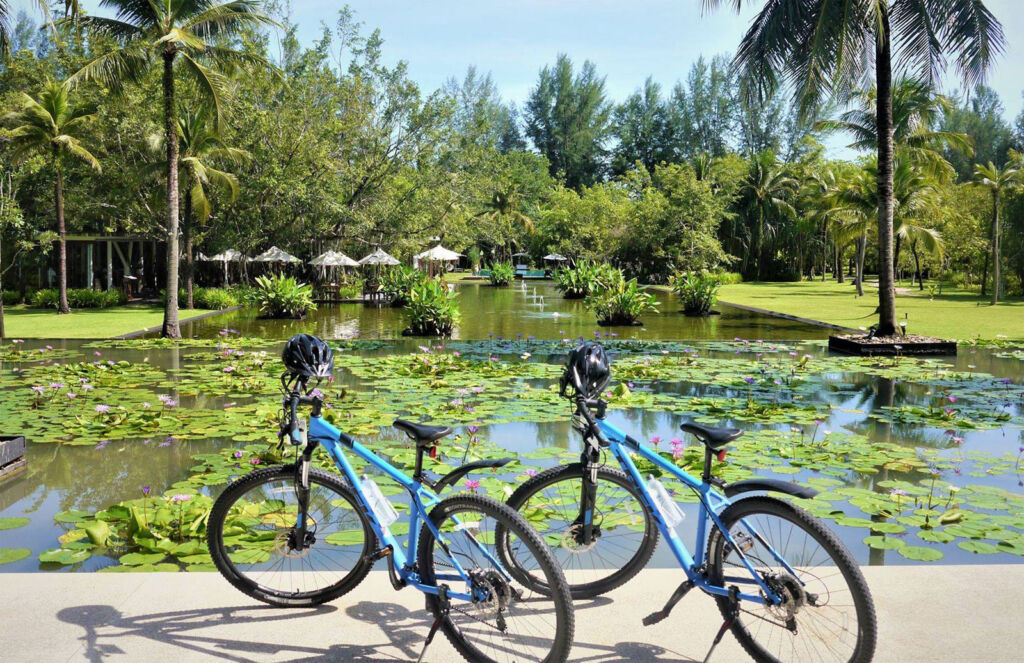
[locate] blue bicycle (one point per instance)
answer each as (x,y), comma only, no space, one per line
(294,535)
(787,587)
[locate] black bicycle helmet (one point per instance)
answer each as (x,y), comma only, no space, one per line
(587,370)
(307,356)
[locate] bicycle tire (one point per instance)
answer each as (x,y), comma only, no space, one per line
(513,522)
(585,590)
(227,567)
(749,507)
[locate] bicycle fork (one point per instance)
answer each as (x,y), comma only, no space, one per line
(588,495)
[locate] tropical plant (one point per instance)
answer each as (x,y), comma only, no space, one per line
(502,274)
(202,145)
(584,277)
(432,309)
(78,298)
(279,296)
(397,283)
(766,198)
(826,47)
(998,181)
(52,126)
(620,302)
(184,37)
(697,290)
(212,299)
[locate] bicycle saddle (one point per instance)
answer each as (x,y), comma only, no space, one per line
(716,438)
(422,432)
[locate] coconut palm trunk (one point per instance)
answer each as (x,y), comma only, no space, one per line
(58,197)
(995,247)
(883,81)
(171,329)
(186,236)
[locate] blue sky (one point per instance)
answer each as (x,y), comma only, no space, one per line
(627,39)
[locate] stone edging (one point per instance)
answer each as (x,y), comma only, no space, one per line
(148,330)
(786,316)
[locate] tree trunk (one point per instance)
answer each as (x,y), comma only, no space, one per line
(995,247)
(862,249)
(883,76)
(984,272)
(62,268)
(170,326)
(2,334)
(187,236)
(917,266)
(840,272)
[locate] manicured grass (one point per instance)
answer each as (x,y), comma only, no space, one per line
(22,322)
(957,314)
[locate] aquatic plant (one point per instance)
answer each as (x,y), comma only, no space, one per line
(279,296)
(620,302)
(432,309)
(697,290)
(502,274)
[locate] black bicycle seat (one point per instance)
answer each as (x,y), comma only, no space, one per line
(422,432)
(716,438)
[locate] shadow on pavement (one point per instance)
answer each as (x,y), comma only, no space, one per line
(106,630)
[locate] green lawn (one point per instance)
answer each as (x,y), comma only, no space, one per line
(957,314)
(22,322)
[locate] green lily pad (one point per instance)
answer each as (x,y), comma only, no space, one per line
(884,542)
(978,547)
(12,523)
(8,555)
(920,553)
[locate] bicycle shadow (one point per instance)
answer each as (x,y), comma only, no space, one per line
(404,631)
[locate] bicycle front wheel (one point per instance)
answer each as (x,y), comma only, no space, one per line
(625,534)
(826,612)
(252,538)
(506,622)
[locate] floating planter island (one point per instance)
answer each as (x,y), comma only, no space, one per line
(860,344)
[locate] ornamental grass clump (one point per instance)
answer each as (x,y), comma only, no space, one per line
(282,297)
(620,302)
(697,290)
(432,309)
(502,274)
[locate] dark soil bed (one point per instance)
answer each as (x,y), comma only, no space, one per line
(859,344)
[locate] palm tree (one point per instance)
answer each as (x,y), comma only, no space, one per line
(50,126)
(827,47)
(502,208)
(997,181)
(767,192)
(916,109)
(202,144)
(184,36)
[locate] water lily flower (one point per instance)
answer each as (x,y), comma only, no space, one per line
(457,353)
(472,484)
(749,380)
(145,490)
(229,369)
(87,387)
(531,472)
(39,389)
(71,395)
(146,404)
(952,399)
(238,454)
(170,403)
(49,347)
(473,429)
(102,409)
(56,385)
(180,497)
(254,461)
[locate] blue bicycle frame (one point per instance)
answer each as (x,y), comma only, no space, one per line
(712,503)
(335,442)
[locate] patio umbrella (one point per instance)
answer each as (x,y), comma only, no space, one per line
(438,254)
(556,257)
(274,254)
(230,255)
(332,258)
(200,256)
(379,257)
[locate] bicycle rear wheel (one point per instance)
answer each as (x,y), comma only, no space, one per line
(827,613)
(251,537)
(626,532)
(506,622)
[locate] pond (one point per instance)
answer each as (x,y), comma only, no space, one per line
(911,455)
(526,308)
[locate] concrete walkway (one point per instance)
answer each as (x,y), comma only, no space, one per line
(926,613)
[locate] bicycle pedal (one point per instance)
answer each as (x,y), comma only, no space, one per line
(381,554)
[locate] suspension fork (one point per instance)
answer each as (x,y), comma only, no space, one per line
(302,492)
(588,489)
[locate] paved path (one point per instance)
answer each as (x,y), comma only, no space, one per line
(926,613)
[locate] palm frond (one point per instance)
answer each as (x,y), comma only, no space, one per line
(115,68)
(212,85)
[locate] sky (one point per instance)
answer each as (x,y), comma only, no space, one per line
(628,40)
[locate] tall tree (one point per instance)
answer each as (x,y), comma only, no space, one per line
(998,181)
(7,26)
(826,47)
(52,126)
(766,198)
(183,37)
(567,118)
(641,130)
(980,116)
(202,145)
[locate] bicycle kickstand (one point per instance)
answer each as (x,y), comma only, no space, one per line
(676,597)
(442,596)
(734,611)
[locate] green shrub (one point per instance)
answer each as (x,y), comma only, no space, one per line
(79,298)
(282,297)
(620,302)
(432,309)
(502,274)
(397,283)
(12,297)
(579,281)
(350,290)
(728,278)
(213,299)
(697,290)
